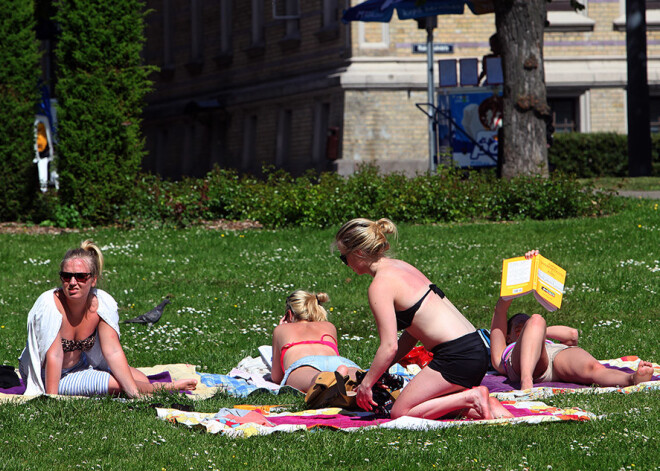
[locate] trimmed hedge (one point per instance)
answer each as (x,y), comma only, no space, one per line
(279,200)
(596,154)
(19,73)
(101,87)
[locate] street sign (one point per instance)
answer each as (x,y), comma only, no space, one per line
(438,48)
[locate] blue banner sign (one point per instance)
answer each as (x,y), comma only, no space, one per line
(468,125)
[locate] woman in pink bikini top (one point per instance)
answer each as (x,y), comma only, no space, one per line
(305,343)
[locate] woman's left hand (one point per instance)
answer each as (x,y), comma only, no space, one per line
(531,253)
(365,397)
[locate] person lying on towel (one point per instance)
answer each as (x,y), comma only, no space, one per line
(305,343)
(73,344)
(520,350)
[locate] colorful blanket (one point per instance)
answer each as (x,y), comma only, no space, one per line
(156,374)
(243,383)
(500,387)
(250,421)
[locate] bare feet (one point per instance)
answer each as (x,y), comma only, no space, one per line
(481,402)
(526,384)
(187,384)
(498,410)
(644,372)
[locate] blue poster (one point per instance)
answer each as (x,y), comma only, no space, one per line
(468,125)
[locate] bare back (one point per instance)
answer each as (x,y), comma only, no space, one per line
(437,320)
(292,333)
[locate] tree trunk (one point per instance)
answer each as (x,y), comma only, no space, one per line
(520,25)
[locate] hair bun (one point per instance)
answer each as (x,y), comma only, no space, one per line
(386,226)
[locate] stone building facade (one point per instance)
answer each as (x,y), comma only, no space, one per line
(247,83)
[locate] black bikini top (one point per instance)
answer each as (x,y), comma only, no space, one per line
(404,318)
(83,345)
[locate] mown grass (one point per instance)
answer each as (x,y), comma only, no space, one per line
(625,183)
(228,290)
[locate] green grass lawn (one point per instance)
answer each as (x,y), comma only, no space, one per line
(228,291)
(626,183)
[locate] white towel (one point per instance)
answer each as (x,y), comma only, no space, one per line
(43,324)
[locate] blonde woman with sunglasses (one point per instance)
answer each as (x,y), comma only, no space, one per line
(73,343)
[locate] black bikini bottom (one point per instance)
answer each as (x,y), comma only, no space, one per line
(463,361)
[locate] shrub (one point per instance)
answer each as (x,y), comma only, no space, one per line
(101,87)
(19,72)
(312,200)
(596,154)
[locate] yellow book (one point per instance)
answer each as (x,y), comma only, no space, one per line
(537,275)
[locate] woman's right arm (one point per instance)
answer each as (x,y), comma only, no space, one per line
(54,358)
(405,344)
(498,326)
(381,302)
(276,373)
(498,333)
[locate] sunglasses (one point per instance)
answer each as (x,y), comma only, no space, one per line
(65,276)
(342,257)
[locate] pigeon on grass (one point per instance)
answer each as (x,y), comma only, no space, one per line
(150,317)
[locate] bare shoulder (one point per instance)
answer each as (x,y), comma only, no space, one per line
(383,285)
(93,306)
(281,329)
(397,275)
(389,274)
(57,296)
(326,326)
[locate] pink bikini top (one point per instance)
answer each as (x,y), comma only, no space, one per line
(310,342)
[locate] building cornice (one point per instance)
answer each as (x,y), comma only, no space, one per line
(366,73)
(248,93)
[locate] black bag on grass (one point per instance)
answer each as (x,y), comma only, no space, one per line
(8,377)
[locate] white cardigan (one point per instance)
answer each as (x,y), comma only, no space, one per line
(43,324)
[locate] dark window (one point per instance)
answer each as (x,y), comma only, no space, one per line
(565,5)
(249,141)
(321,120)
(293,25)
(654,114)
(196,32)
(564,113)
(283,140)
(329,13)
(168,61)
(257,23)
(225,27)
(560,5)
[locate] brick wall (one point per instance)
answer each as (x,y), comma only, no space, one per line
(366,73)
(608,110)
(385,127)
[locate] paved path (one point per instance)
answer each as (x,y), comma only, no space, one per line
(654,195)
